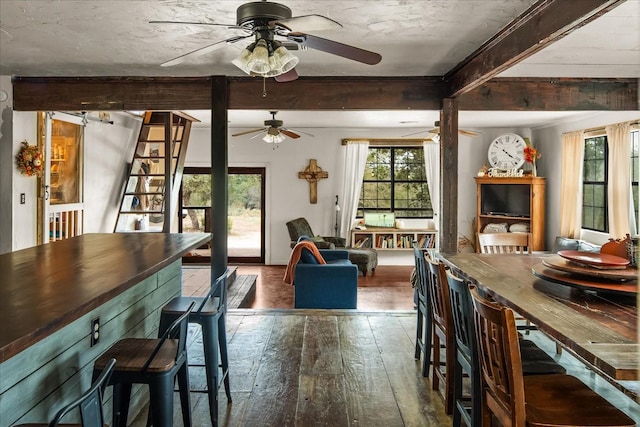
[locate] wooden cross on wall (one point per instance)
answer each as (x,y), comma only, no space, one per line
(313,173)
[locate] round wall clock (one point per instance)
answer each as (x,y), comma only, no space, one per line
(507,151)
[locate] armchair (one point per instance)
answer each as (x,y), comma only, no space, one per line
(300,227)
(317,285)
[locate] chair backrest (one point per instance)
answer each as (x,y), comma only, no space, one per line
(218,290)
(504,243)
(90,402)
(421,274)
(438,294)
(462,315)
(500,361)
(177,330)
(299,227)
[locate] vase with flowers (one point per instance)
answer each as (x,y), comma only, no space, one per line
(531,155)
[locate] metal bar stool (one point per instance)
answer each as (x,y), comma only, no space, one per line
(210,315)
(89,404)
(155,362)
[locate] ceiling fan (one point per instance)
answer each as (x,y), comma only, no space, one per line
(274,132)
(275,31)
(436,131)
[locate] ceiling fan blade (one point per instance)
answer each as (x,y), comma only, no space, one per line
(248,131)
(335,48)
(468,132)
(308,23)
(289,76)
(415,133)
(229,26)
(259,133)
(298,131)
(289,133)
(203,50)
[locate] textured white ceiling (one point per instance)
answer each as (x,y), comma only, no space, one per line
(415,38)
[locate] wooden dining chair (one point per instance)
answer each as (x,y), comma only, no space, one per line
(442,331)
(424,327)
(504,243)
(535,400)
(89,404)
(535,361)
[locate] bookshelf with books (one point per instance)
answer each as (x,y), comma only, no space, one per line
(393,238)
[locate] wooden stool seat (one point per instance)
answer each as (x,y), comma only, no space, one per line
(132,353)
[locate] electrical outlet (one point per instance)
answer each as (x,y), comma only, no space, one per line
(22,198)
(95,331)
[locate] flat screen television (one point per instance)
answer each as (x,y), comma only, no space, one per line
(506,199)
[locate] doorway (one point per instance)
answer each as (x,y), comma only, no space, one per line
(60,205)
(246,212)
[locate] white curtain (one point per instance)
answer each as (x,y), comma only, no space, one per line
(620,206)
(432,166)
(571,184)
(354,164)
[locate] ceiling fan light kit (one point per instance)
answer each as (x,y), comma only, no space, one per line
(273,139)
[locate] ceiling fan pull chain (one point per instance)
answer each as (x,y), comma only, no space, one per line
(264,87)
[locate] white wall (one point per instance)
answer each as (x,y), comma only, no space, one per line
(107,151)
(548,140)
(24,216)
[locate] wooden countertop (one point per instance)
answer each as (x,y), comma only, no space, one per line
(46,287)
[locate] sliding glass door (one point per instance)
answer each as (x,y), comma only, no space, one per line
(245,220)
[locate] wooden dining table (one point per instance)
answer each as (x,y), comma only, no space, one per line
(600,328)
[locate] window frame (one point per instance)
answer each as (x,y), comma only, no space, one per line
(393,181)
(604,184)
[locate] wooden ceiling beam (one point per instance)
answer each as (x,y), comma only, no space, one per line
(542,24)
(319,93)
(544,94)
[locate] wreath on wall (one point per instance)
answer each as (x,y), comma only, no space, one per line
(29,160)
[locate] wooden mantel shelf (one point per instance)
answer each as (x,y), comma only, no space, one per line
(46,287)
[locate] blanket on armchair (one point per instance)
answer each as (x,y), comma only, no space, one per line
(296,253)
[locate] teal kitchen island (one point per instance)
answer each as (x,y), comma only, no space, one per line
(51,297)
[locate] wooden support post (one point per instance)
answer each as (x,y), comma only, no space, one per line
(449,176)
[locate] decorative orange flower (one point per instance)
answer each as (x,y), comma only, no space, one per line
(531,153)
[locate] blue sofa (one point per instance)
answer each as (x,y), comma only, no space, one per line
(330,285)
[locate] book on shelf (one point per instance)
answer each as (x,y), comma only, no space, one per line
(363,243)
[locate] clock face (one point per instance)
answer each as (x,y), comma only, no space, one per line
(507,151)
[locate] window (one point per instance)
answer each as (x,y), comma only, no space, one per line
(395,181)
(594,185)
